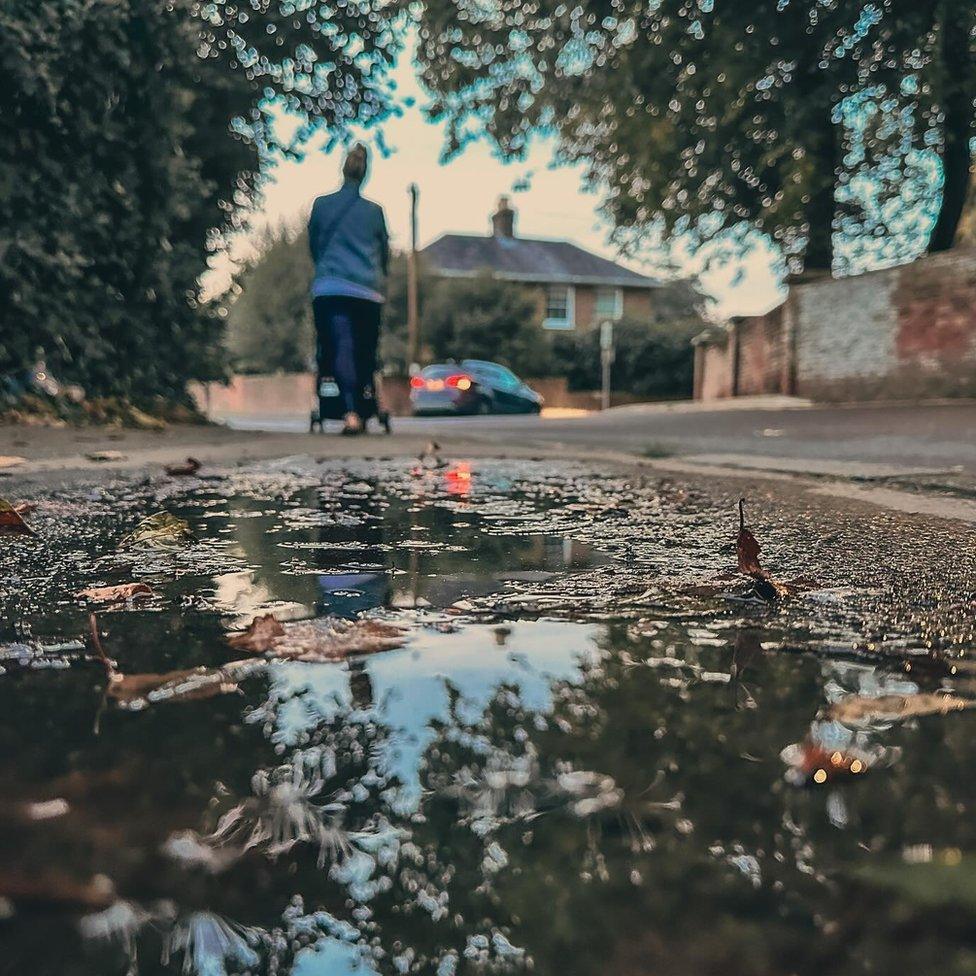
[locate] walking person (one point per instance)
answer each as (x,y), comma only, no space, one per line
(350,249)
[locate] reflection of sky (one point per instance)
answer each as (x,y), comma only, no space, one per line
(330,957)
(410,686)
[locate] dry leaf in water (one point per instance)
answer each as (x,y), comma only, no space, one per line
(325,639)
(11,461)
(812,763)
(161,529)
(747,551)
(184,469)
(259,636)
(856,709)
(136,691)
(12,521)
(113,594)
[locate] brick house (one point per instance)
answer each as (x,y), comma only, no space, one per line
(574,288)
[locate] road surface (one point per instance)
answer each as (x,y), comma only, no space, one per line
(847,440)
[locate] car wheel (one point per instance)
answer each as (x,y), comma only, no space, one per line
(484,406)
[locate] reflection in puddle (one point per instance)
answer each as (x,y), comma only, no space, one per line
(576,765)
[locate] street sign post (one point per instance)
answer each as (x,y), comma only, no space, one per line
(606,361)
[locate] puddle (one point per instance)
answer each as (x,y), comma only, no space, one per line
(588,756)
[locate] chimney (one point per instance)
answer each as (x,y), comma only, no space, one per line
(503,219)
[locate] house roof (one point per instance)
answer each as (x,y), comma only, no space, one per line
(526,259)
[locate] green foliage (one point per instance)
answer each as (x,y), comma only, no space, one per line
(131,139)
(652,360)
(484,318)
(269,324)
(718,119)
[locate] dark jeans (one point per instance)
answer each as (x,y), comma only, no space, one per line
(347,331)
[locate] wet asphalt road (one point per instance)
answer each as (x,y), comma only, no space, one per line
(933,437)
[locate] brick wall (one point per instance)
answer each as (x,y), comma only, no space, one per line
(908,331)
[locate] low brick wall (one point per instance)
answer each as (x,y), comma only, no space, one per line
(904,332)
(292,394)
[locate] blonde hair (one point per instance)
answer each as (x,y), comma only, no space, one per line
(356,163)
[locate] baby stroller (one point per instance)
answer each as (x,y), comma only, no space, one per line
(331,406)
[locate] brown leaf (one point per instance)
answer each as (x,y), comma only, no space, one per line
(855,709)
(259,636)
(747,550)
(326,639)
(53,889)
(184,469)
(24,508)
(747,547)
(192,684)
(162,529)
(11,461)
(12,521)
(112,594)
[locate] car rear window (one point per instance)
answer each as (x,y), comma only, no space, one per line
(440,371)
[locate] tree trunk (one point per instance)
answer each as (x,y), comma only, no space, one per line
(822,208)
(959,81)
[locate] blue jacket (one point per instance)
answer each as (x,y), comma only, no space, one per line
(351,256)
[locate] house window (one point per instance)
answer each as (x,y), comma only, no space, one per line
(560,313)
(609,304)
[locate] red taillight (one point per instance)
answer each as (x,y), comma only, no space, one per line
(417,382)
(460,381)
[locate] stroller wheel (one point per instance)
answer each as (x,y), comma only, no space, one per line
(313,419)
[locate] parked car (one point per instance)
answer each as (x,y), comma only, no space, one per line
(471,386)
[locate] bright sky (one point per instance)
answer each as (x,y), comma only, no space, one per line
(460,195)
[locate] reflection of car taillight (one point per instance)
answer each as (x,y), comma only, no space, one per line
(459,382)
(417,382)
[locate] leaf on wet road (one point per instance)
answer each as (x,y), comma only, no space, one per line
(183,469)
(327,639)
(855,709)
(116,594)
(162,529)
(747,551)
(136,691)
(53,889)
(11,461)
(810,762)
(259,636)
(12,521)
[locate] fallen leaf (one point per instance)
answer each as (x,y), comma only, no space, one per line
(53,889)
(812,763)
(747,548)
(136,691)
(112,594)
(260,635)
(325,639)
(747,551)
(11,461)
(855,709)
(24,508)
(101,456)
(184,469)
(12,521)
(161,529)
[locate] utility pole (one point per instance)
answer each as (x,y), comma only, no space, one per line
(606,361)
(413,315)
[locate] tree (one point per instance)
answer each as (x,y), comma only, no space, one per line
(716,119)
(132,135)
(484,318)
(269,324)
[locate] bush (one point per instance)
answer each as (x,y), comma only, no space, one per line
(654,361)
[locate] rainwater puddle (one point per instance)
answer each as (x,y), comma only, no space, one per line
(587,756)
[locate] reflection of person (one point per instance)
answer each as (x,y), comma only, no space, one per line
(350,249)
